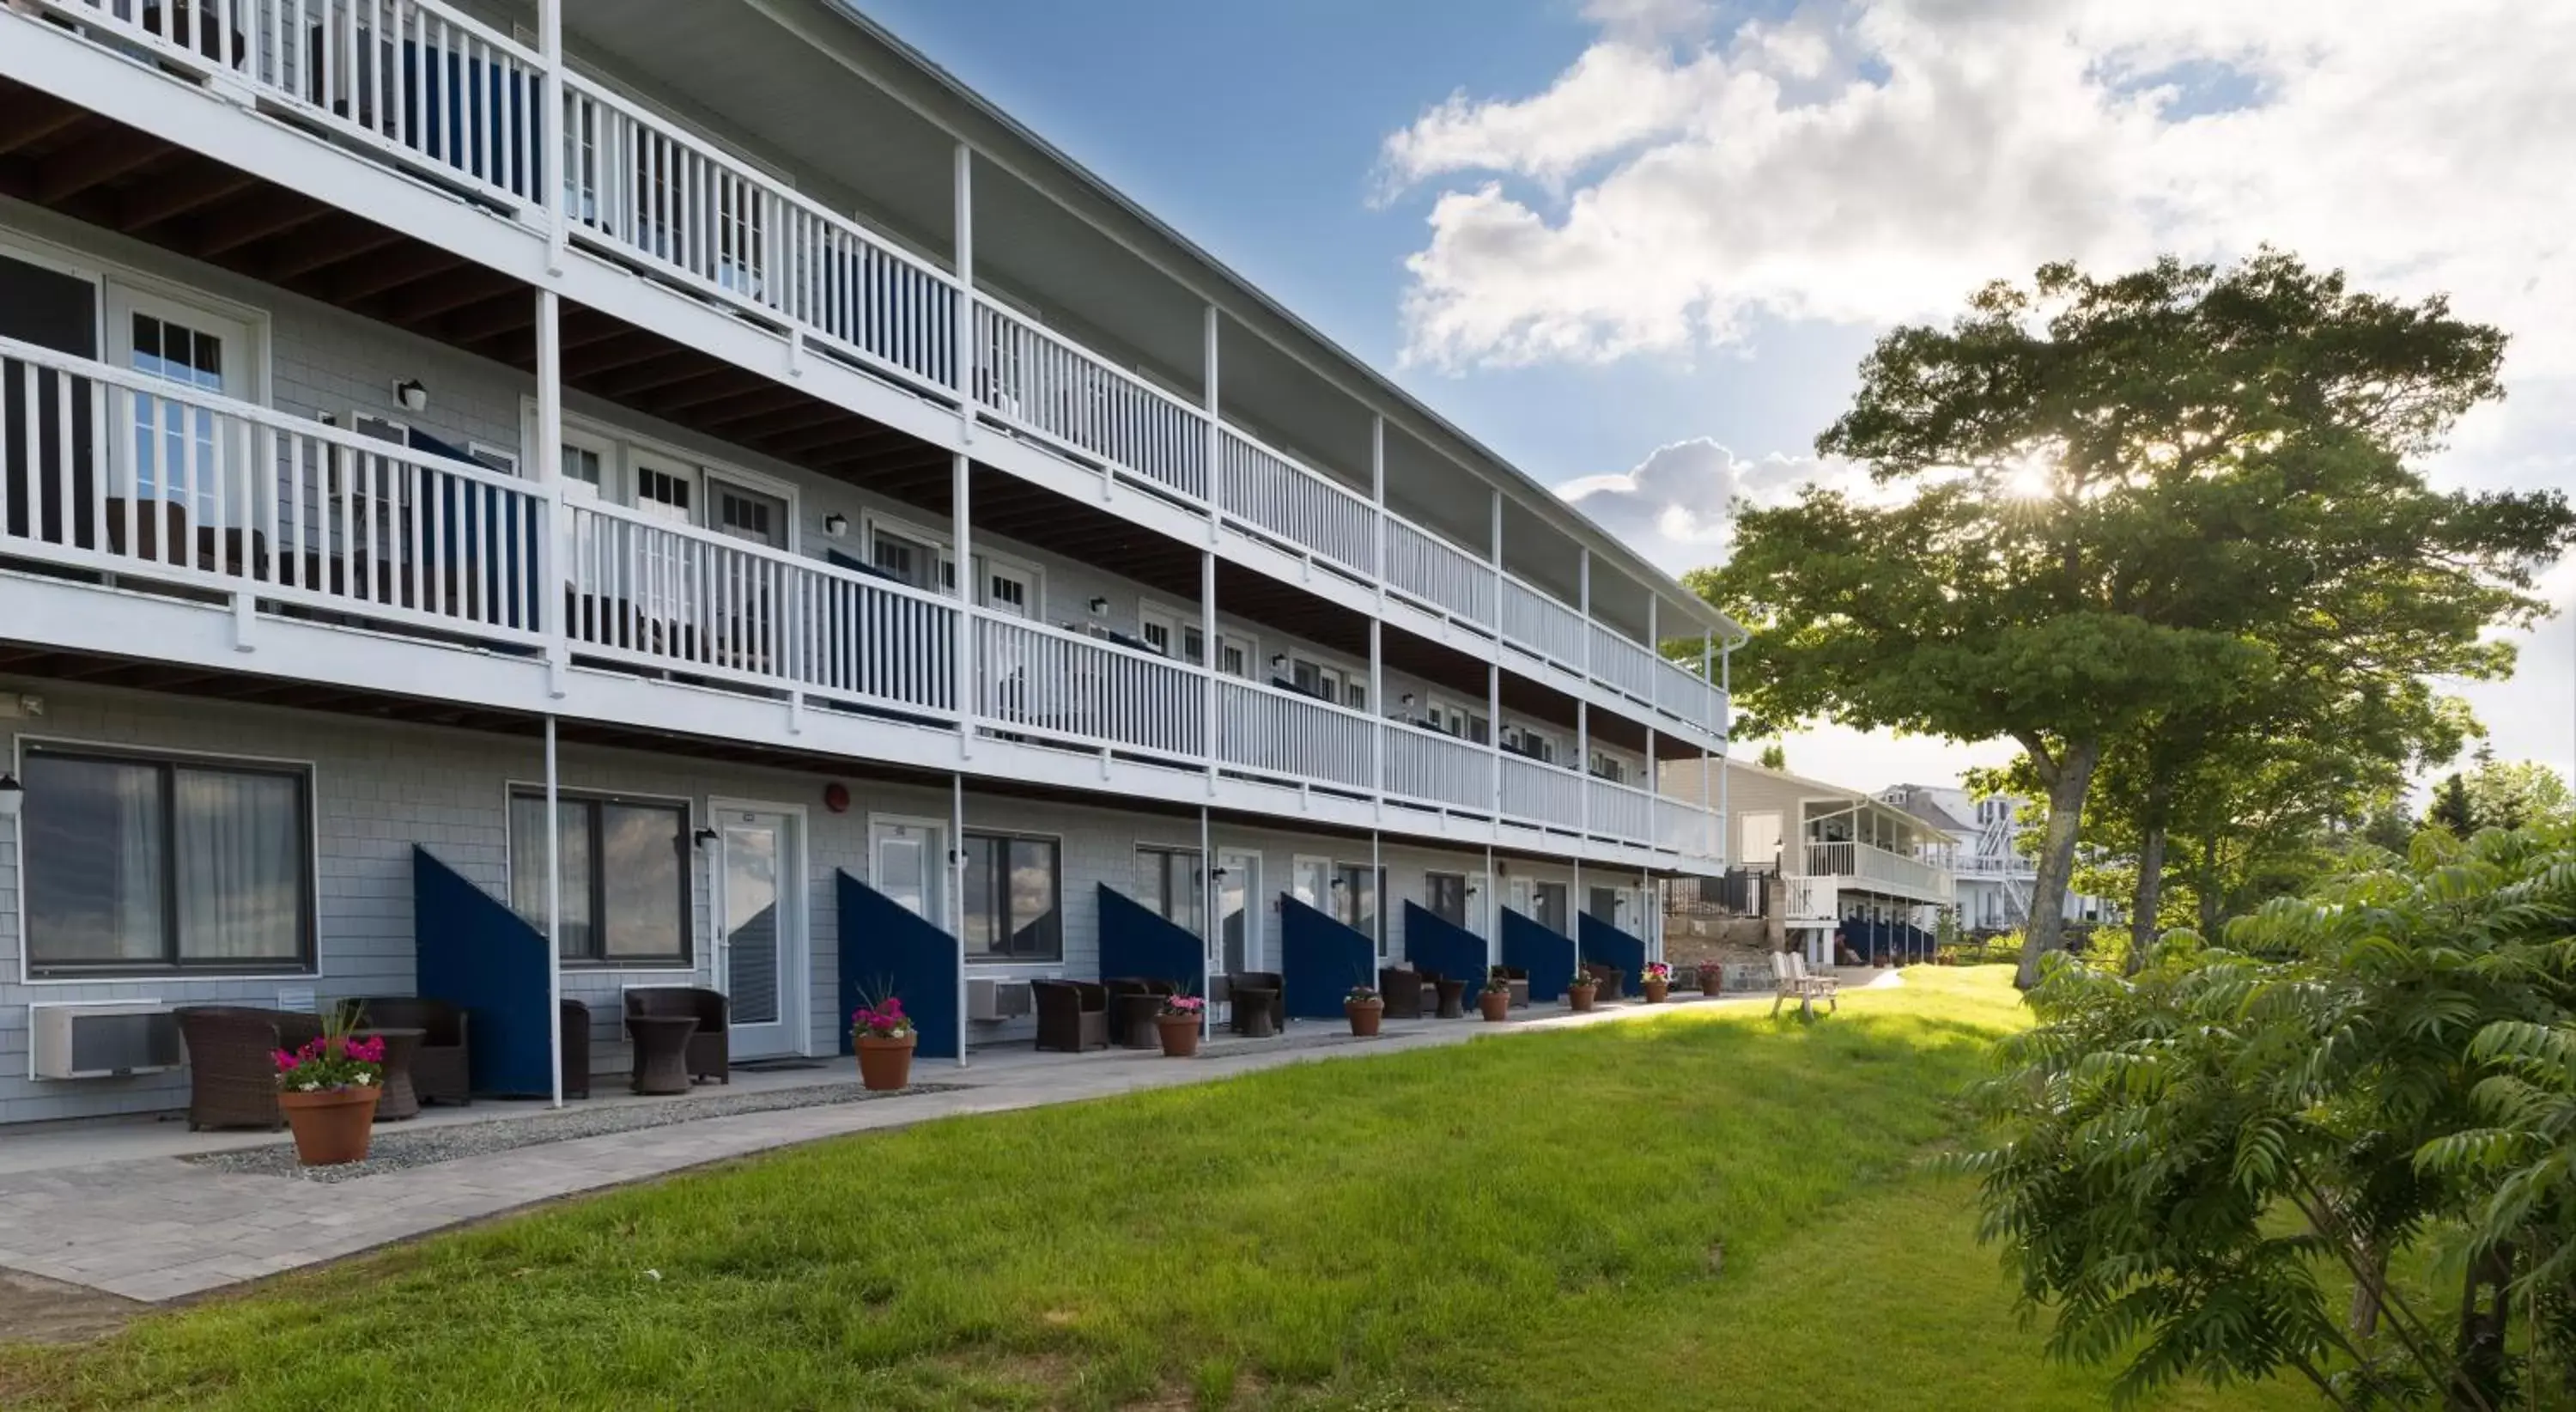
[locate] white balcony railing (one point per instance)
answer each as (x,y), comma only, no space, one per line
(158,487)
(1807,898)
(1870,863)
(422,85)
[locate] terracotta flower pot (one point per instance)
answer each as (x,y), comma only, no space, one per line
(1180,1035)
(1495,1004)
(886,1064)
(1657,990)
(1580,996)
(332,1125)
(1364,1015)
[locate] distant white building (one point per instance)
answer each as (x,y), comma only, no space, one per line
(1992,880)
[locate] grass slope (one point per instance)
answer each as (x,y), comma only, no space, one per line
(1709,1210)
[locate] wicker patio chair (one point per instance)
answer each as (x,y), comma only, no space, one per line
(1402,988)
(1072,1015)
(440,1071)
(1271,981)
(1518,978)
(1606,980)
(709,1054)
(232,1080)
(576,1049)
(1131,1021)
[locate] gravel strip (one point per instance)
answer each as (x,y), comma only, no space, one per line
(395,1150)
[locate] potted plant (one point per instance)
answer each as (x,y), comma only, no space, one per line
(1580,990)
(884,1038)
(1365,1007)
(1659,982)
(1712,978)
(1180,1023)
(327,1088)
(1495,1000)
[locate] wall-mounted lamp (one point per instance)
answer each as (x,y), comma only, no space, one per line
(1099,606)
(13,796)
(707,836)
(836,524)
(1408,698)
(1279,661)
(412,395)
(1220,873)
(1337,882)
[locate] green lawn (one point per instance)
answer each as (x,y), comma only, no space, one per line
(1708,1210)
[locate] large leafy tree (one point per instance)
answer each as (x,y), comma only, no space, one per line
(2102,504)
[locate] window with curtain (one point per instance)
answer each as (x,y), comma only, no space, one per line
(1446,894)
(1168,883)
(624,865)
(1355,900)
(1550,908)
(137,865)
(1013,906)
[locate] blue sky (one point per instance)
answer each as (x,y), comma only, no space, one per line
(1652,238)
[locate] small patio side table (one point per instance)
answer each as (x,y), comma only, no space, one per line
(396,1099)
(1252,1011)
(661,1051)
(1134,1022)
(1450,989)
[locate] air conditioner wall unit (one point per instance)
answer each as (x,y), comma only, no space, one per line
(997,999)
(102,1041)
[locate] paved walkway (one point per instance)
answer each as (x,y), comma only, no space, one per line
(110,1207)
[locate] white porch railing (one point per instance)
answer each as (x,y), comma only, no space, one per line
(1871,863)
(1624,663)
(1275,495)
(122,473)
(1439,573)
(1292,737)
(1422,764)
(1042,382)
(1808,899)
(649,190)
(1539,622)
(1049,682)
(1620,811)
(1542,794)
(1685,828)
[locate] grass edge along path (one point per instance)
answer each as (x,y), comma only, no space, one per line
(1705,1209)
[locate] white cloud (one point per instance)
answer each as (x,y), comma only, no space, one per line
(1867,161)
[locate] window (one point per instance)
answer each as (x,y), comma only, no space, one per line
(1172,634)
(749,514)
(1458,721)
(1235,656)
(909,559)
(584,464)
(1549,910)
(624,898)
(1169,885)
(1447,895)
(1355,901)
(1604,905)
(138,865)
(1012,911)
(1609,767)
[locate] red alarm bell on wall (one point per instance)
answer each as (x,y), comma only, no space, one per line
(836,797)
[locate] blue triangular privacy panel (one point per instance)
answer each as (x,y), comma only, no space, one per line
(1434,943)
(1546,953)
(1321,960)
(1610,946)
(1136,942)
(885,948)
(476,954)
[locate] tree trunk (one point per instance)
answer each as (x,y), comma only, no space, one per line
(2149,896)
(2071,780)
(2209,917)
(2486,1309)
(2363,1320)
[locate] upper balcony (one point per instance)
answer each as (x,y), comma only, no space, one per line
(265,542)
(991,284)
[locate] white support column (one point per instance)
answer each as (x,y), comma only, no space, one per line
(1725,841)
(956,908)
(1207,921)
(969,347)
(1584,602)
(554,918)
(1493,913)
(1377,895)
(1208,655)
(1725,814)
(1377,622)
(1582,800)
(550,176)
(1377,708)
(1494,731)
(548,464)
(1215,442)
(961,517)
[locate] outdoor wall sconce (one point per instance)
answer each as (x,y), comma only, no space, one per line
(412,395)
(13,796)
(1220,873)
(1099,606)
(707,836)
(836,524)
(1279,662)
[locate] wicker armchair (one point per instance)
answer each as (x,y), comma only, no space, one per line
(1072,1015)
(440,1071)
(1403,988)
(709,1052)
(1518,978)
(232,1081)
(1272,981)
(1606,979)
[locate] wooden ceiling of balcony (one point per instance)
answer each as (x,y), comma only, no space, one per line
(99,171)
